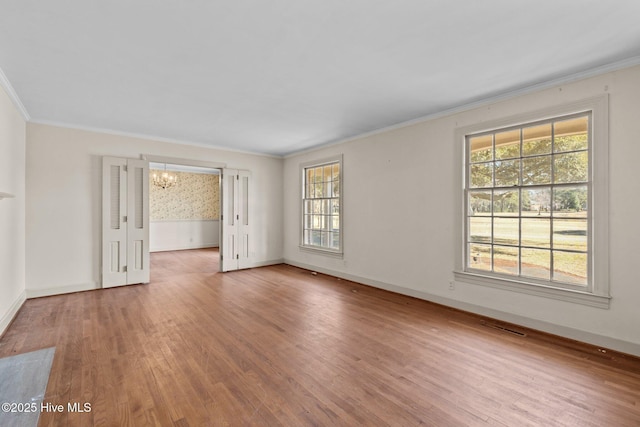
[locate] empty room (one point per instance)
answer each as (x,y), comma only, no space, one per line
(319,213)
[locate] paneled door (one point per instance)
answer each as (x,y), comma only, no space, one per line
(235,233)
(125,221)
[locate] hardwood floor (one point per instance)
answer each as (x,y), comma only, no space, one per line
(280,346)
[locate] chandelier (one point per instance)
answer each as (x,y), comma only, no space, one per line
(164,179)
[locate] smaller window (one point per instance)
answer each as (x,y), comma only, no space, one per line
(322,205)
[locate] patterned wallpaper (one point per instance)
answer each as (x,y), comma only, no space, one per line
(196,196)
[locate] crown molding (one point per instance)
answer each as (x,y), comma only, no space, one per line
(581,75)
(6,85)
(149,137)
(592,72)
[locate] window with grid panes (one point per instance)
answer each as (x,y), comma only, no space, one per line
(321,206)
(527,202)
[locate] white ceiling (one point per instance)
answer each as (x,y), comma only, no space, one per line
(280,76)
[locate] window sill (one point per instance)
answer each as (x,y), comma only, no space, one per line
(320,251)
(568,295)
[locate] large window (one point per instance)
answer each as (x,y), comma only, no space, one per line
(530,204)
(321,206)
(527,200)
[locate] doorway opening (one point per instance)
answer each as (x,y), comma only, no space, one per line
(184,216)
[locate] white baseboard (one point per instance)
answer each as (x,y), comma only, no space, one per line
(59,290)
(183,247)
(13,311)
(539,325)
(267,263)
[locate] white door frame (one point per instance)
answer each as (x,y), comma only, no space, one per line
(181,161)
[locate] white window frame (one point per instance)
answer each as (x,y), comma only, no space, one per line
(338,253)
(597,293)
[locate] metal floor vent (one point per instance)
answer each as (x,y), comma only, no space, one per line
(505,329)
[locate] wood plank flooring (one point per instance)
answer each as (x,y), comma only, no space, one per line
(279,346)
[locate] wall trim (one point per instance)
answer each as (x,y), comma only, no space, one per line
(581,75)
(194,234)
(182,220)
(268,263)
(183,247)
(60,290)
(152,158)
(6,320)
(146,137)
(536,87)
(6,85)
(539,325)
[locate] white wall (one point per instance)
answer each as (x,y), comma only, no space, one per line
(63,213)
(168,235)
(400,218)
(12,211)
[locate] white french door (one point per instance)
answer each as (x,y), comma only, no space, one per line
(236,224)
(125,221)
